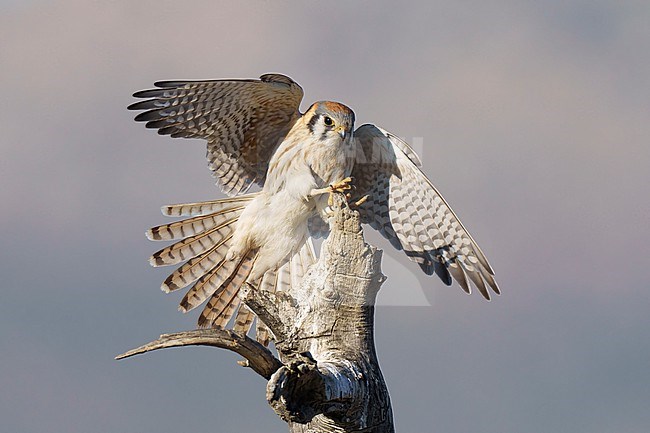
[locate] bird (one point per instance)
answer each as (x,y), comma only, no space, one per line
(258,137)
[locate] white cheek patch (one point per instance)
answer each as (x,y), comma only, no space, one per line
(320,130)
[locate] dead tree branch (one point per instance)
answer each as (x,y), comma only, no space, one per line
(258,357)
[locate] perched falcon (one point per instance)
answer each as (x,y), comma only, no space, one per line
(257,135)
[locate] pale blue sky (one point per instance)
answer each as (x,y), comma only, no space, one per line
(533,119)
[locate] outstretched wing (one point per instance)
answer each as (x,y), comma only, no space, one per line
(242,120)
(409,211)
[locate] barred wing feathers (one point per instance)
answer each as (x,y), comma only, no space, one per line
(406,208)
(243,121)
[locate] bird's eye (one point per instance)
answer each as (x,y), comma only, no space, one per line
(328,121)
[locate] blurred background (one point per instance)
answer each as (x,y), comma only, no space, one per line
(532,118)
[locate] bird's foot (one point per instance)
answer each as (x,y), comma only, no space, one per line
(340,187)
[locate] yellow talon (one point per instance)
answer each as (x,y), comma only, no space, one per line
(361,201)
(342,185)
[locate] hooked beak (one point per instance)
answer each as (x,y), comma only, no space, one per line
(341,131)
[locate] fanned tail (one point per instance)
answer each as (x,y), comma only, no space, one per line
(203,242)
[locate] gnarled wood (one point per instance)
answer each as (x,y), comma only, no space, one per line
(258,357)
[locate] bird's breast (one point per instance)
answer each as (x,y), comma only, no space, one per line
(313,163)
(331,163)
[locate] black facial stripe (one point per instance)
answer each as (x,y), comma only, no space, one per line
(312,122)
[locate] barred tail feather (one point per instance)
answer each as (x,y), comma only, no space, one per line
(193,226)
(269,281)
(223,317)
(193,246)
(197,267)
(206,207)
(221,306)
(243,320)
(209,284)
(262,333)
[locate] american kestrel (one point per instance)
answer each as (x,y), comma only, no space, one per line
(256,135)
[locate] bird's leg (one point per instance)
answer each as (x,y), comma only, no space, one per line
(341,187)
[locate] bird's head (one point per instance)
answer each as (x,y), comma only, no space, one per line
(328,121)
